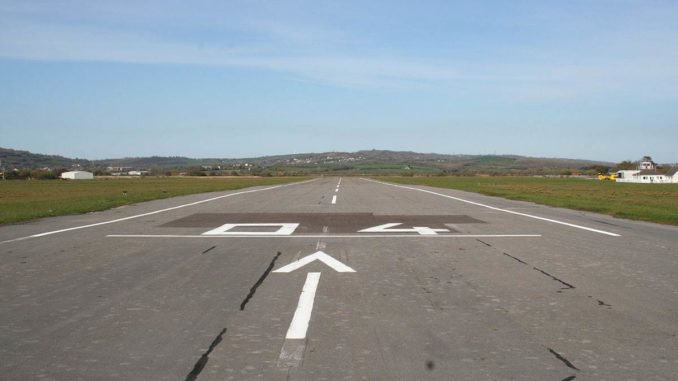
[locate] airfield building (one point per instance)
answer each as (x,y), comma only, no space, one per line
(647,173)
(77,175)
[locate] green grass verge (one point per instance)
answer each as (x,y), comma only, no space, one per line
(22,200)
(646,202)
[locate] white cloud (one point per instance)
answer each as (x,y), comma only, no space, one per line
(305,50)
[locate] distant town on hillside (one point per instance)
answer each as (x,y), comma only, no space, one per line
(24,164)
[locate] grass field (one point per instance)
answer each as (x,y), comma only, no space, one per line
(646,202)
(22,200)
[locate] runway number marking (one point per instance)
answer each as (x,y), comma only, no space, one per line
(227,229)
(387,228)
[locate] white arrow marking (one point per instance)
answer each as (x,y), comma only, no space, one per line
(322,257)
(385,228)
(302,315)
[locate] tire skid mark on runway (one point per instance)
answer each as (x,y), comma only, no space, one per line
(259,282)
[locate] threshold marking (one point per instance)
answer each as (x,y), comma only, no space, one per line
(152,213)
(328,236)
(499,209)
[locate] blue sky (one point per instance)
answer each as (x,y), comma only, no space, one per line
(576,79)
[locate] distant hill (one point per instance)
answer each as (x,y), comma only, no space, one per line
(382,161)
(15,159)
(360,162)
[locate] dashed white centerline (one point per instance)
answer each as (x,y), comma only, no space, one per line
(336,190)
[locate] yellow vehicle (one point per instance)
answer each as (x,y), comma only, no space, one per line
(612,177)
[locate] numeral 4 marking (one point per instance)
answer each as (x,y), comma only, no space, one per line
(387,228)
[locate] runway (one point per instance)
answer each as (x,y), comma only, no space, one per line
(338,278)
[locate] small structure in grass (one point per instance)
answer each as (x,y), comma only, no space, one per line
(77,175)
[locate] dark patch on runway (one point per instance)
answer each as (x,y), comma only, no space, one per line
(314,222)
(430,365)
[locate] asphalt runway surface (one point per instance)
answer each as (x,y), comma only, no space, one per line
(338,279)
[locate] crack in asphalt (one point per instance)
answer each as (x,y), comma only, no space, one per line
(208,250)
(259,282)
(569,286)
(569,378)
(202,361)
(516,258)
(563,359)
(601,303)
(553,277)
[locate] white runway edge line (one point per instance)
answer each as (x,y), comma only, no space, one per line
(302,315)
(499,209)
(153,212)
